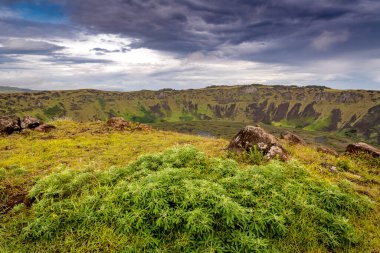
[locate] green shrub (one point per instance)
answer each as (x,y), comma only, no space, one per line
(253,156)
(343,165)
(147,116)
(181,201)
(186,118)
(54,111)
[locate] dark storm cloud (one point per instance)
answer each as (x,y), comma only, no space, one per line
(224,40)
(194,25)
(303,28)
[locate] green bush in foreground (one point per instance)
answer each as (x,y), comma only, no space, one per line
(181,201)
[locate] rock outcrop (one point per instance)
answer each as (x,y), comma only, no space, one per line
(9,124)
(362,147)
(118,123)
(251,137)
(45,128)
(292,139)
(29,122)
(326,150)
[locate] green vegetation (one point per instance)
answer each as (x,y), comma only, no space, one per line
(254,156)
(99,190)
(318,125)
(54,111)
(102,103)
(147,116)
(186,118)
(181,201)
(8,89)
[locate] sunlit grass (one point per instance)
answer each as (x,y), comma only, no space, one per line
(182,201)
(94,192)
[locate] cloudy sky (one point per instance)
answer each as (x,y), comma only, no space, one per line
(154,44)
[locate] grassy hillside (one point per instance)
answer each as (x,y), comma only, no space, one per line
(93,191)
(8,89)
(353,113)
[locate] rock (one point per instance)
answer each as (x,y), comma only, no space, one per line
(293,139)
(326,150)
(330,167)
(276,151)
(251,137)
(143,127)
(118,123)
(45,128)
(30,122)
(362,147)
(9,124)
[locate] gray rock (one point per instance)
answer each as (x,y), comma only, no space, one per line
(362,147)
(251,136)
(45,128)
(9,124)
(29,122)
(292,138)
(118,123)
(326,150)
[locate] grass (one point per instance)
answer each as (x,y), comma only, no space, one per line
(181,201)
(98,190)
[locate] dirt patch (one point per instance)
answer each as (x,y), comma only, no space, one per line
(12,197)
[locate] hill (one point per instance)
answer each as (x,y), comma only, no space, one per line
(8,89)
(85,187)
(352,113)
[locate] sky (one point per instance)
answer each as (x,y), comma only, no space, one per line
(155,44)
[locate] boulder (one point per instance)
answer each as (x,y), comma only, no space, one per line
(292,139)
(9,124)
(118,123)
(362,147)
(29,122)
(326,150)
(251,136)
(45,128)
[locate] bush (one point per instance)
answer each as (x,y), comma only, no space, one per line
(343,165)
(181,201)
(253,156)
(54,112)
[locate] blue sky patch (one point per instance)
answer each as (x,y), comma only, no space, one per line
(43,12)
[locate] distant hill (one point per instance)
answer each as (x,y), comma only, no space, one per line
(353,113)
(8,89)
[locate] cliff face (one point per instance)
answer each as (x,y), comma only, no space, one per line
(355,112)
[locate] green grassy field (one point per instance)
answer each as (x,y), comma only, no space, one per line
(84,188)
